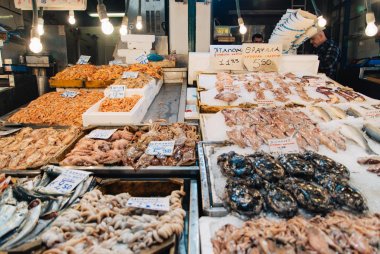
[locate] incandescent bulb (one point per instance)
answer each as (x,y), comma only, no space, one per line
(322,21)
(371,29)
(71,17)
(243,29)
(35,45)
(40,26)
(107,27)
(123,30)
(139,25)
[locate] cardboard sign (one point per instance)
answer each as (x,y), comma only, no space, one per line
(143,59)
(67,181)
(265,103)
(116,91)
(160,148)
(69,94)
(226,57)
(83,59)
(283,146)
(158,204)
(101,133)
(130,74)
(261,56)
(115,62)
(372,114)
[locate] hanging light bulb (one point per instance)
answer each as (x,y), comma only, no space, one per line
(71,17)
(322,22)
(40,26)
(107,26)
(35,42)
(371,29)
(124,26)
(139,24)
(242,27)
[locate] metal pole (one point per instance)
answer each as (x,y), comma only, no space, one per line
(346,31)
(192,24)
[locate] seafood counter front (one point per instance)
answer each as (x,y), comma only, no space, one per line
(277,163)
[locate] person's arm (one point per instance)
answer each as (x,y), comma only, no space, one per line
(331,60)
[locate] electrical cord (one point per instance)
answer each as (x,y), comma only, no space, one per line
(126,7)
(139,13)
(237,8)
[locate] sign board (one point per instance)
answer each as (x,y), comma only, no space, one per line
(158,204)
(261,56)
(116,91)
(143,59)
(83,59)
(226,57)
(115,62)
(372,113)
(67,181)
(62,5)
(283,146)
(69,94)
(130,74)
(160,148)
(101,133)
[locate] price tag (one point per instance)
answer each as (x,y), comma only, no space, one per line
(8,131)
(159,204)
(265,103)
(130,74)
(67,181)
(115,62)
(283,146)
(83,59)
(143,59)
(261,56)
(69,94)
(160,148)
(372,114)
(226,57)
(116,91)
(101,133)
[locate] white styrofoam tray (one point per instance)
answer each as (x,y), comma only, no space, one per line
(144,91)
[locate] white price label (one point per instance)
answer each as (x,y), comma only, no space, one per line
(101,134)
(283,146)
(265,103)
(69,94)
(159,204)
(143,59)
(67,181)
(372,114)
(160,148)
(83,59)
(115,62)
(7,131)
(261,56)
(130,74)
(226,57)
(116,91)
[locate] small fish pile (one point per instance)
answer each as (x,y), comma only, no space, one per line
(31,148)
(27,208)
(373,163)
(311,181)
(106,224)
(338,232)
(328,113)
(354,134)
(226,90)
(4,182)
(255,127)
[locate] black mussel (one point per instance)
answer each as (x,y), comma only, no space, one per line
(296,165)
(252,180)
(233,164)
(266,167)
(328,181)
(280,201)
(309,196)
(244,200)
(346,197)
(325,164)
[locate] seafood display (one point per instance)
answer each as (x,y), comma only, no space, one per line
(141,81)
(125,104)
(128,147)
(79,71)
(280,185)
(31,148)
(151,70)
(53,109)
(338,232)
(373,163)
(103,223)
(255,127)
(106,72)
(4,182)
(28,207)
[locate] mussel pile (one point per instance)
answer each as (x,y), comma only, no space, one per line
(281,185)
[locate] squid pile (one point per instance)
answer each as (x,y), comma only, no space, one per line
(103,223)
(280,185)
(28,207)
(338,232)
(255,127)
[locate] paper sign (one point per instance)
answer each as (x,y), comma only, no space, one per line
(115,62)
(142,59)
(283,146)
(67,181)
(265,103)
(7,131)
(116,91)
(261,56)
(226,57)
(160,148)
(69,94)
(159,204)
(101,133)
(372,114)
(130,74)
(83,59)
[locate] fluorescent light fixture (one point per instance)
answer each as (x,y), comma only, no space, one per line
(109,14)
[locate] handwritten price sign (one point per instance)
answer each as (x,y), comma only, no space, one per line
(67,181)
(69,94)
(226,57)
(158,204)
(261,56)
(83,59)
(160,148)
(283,146)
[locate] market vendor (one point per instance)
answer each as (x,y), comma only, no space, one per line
(328,54)
(257,38)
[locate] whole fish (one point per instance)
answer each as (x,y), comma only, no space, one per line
(43,222)
(45,180)
(355,135)
(353,112)
(8,197)
(321,113)
(372,131)
(338,112)
(36,181)
(86,186)
(75,194)
(29,195)
(27,226)
(17,218)
(6,212)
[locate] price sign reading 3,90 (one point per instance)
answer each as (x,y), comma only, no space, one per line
(261,56)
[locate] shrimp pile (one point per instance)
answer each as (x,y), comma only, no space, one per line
(119,105)
(79,71)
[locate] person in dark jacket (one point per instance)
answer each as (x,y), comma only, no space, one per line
(257,38)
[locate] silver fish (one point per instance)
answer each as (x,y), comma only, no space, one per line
(27,226)
(8,197)
(17,218)
(372,131)
(338,112)
(6,212)
(321,113)
(355,135)
(45,180)
(43,222)
(353,112)
(75,194)
(87,184)
(45,206)
(36,181)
